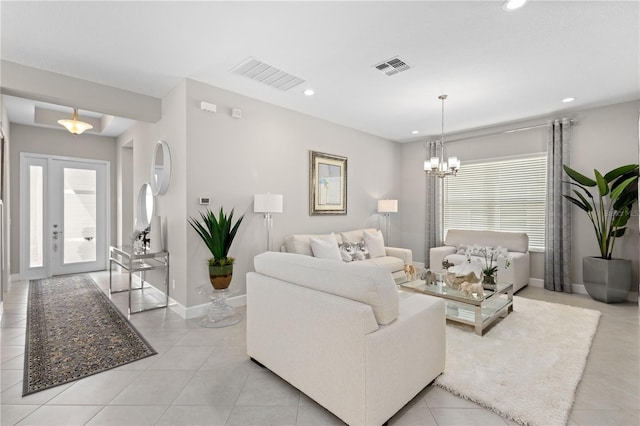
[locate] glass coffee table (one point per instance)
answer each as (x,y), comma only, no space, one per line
(477,310)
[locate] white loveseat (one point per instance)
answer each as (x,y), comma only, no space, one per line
(517,244)
(342,334)
(394,260)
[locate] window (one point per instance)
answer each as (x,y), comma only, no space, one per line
(502,195)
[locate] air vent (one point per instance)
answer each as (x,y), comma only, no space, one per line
(392,66)
(266,74)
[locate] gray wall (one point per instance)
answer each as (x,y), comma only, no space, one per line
(40,140)
(230,160)
(603,138)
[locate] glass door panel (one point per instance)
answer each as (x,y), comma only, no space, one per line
(36,216)
(79,215)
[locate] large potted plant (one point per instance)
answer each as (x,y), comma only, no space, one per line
(607,201)
(218,234)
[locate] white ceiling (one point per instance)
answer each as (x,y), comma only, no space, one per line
(496,66)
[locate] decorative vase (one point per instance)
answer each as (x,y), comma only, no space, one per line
(220,276)
(607,280)
(488,281)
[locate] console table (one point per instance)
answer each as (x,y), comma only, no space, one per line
(139,262)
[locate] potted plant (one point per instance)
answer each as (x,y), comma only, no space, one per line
(608,207)
(218,234)
(491,256)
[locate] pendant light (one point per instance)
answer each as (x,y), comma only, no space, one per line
(436,166)
(74,125)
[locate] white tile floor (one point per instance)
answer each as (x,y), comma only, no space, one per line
(204,377)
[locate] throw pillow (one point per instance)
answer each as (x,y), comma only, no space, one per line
(346,252)
(374,243)
(360,251)
(325,247)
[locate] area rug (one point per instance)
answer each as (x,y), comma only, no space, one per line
(74,331)
(528,366)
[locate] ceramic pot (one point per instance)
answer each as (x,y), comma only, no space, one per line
(607,280)
(220,276)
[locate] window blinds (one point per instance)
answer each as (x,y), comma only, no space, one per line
(500,195)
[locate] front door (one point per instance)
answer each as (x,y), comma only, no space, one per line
(64,216)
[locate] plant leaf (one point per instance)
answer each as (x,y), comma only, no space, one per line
(578,177)
(603,186)
(585,207)
(584,200)
(616,192)
(620,171)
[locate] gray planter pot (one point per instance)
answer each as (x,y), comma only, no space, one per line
(607,281)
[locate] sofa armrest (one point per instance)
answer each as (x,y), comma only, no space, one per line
(437,255)
(405,254)
(405,356)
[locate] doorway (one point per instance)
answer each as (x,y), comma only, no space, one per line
(64,215)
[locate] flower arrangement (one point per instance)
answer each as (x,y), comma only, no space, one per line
(491,256)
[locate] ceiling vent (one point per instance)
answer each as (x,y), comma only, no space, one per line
(392,66)
(266,74)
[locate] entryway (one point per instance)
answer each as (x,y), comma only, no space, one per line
(63,215)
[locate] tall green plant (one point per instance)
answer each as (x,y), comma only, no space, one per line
(610,208)
(217,234)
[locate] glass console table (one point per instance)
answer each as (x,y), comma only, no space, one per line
(477,310)
(140,262)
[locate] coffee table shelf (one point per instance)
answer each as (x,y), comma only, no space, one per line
(476,310)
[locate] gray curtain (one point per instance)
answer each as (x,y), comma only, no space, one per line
(558,215)
(433,224)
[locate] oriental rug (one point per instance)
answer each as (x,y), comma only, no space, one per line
(74,331)
(528,366)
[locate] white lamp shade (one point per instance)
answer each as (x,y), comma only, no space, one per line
(387,206)
(267,203)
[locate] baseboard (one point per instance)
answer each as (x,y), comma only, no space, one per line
(201,310)
(536,282)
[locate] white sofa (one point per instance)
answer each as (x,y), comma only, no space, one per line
(343,334)
(394,261)
(517,244)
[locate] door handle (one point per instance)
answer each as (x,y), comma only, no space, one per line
(55,234)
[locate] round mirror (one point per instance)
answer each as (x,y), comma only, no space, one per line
(160,168)
(144,207)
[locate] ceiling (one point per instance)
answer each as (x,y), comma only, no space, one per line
(495,66)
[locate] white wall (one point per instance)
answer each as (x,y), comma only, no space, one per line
(5,248)
(230,160)
(602,138)
(55,142)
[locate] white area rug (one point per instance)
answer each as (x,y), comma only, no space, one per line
(528,366)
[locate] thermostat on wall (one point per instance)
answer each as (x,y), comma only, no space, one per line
(205,200)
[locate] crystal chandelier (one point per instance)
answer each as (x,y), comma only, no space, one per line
(74,125)
(436,166)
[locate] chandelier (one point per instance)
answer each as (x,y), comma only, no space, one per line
(436,166)
(74,125)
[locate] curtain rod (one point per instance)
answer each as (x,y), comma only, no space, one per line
(501,132)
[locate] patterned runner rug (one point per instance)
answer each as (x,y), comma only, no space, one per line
(74,331)
(526,368)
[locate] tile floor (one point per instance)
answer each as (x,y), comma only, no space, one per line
(203,376)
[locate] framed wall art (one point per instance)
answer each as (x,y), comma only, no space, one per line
(327,184)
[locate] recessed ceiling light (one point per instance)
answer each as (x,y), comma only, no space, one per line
(566,100)
(415,132)
(510,5)
(309,92)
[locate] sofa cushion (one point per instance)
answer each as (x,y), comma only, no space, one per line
(359,281)
(390,263)
(355,236)
(375,243)
(325,247)
(301,244)
(512,241)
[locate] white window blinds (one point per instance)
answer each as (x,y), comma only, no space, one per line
(500,195)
